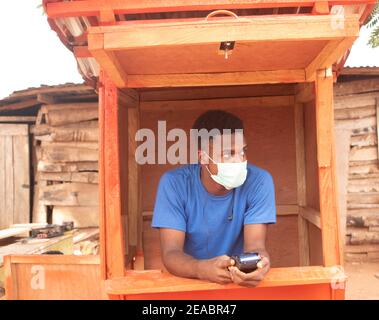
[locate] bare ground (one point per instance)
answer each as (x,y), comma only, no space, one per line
(363,280)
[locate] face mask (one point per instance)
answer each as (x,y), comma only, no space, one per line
(230,174)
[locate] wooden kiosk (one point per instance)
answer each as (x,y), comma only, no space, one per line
(166,60)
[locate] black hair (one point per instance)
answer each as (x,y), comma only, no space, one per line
(218,119)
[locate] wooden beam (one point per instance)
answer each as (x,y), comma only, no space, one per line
(20,105)
(278,28)
(321,7)
(107,60)
(304,251)
(214,79)
(330,54)
(326,169)
(92,8)
(112,245)
(304,92)
(310,215)
(18,119)
(267,102)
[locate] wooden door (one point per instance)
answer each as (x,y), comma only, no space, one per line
(14,174)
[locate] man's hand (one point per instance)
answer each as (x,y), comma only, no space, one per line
(216,269)
(251,279)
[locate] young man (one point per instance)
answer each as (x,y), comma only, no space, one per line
(220,207)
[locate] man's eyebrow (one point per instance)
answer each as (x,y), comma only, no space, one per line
(225,150)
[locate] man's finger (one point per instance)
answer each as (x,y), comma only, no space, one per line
(224,262)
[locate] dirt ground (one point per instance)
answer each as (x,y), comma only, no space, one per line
(363,280)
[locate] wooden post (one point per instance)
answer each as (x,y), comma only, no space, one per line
(304,252)
(111,200)
(326,168)
(134,214)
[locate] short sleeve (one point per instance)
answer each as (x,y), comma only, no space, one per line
(169,205)
(261,201)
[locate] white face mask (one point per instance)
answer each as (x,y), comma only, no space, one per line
(230,174)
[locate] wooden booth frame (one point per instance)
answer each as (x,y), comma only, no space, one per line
(310,47)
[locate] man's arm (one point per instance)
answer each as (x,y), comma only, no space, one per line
(183,265)
(254,241)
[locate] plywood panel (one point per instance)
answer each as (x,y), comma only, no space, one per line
(271,145)
(206,58)
(54,278)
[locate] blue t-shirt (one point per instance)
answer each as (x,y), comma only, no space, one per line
(212,227)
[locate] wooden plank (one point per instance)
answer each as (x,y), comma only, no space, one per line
(13,130)
(20,105)
(107,60)
(304,92)
(21,167)
(134,174)
(311,215)
(301,183)
(363,154)
(68,154)
(278,28)
(71,167)
(355,113)
(343,138)
(83,216)
(3,221)
(175,94)
(11,232)
(70,194)
(85,131)
(277,101)
(213,79)
(84,177)
(17,119)
(64,116)
(329,213)
(111,236)
(9,183)
(354,100)
(135,281)
(93,8)
(330,54)
(356,86)
(59,270)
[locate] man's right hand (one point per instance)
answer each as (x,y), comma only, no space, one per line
(215,269)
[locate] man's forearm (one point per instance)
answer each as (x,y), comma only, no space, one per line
(180,264)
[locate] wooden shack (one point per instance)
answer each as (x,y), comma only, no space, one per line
(166,60)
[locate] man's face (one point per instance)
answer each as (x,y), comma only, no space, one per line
(224,148)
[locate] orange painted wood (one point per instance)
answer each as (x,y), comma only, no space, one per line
(278,283)
(46,277)
(326,169)
(93,7)
(111,195)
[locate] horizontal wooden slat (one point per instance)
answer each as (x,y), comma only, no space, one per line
(13,130)
(136,282)
(279,28)
(93,8)
(281,101)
